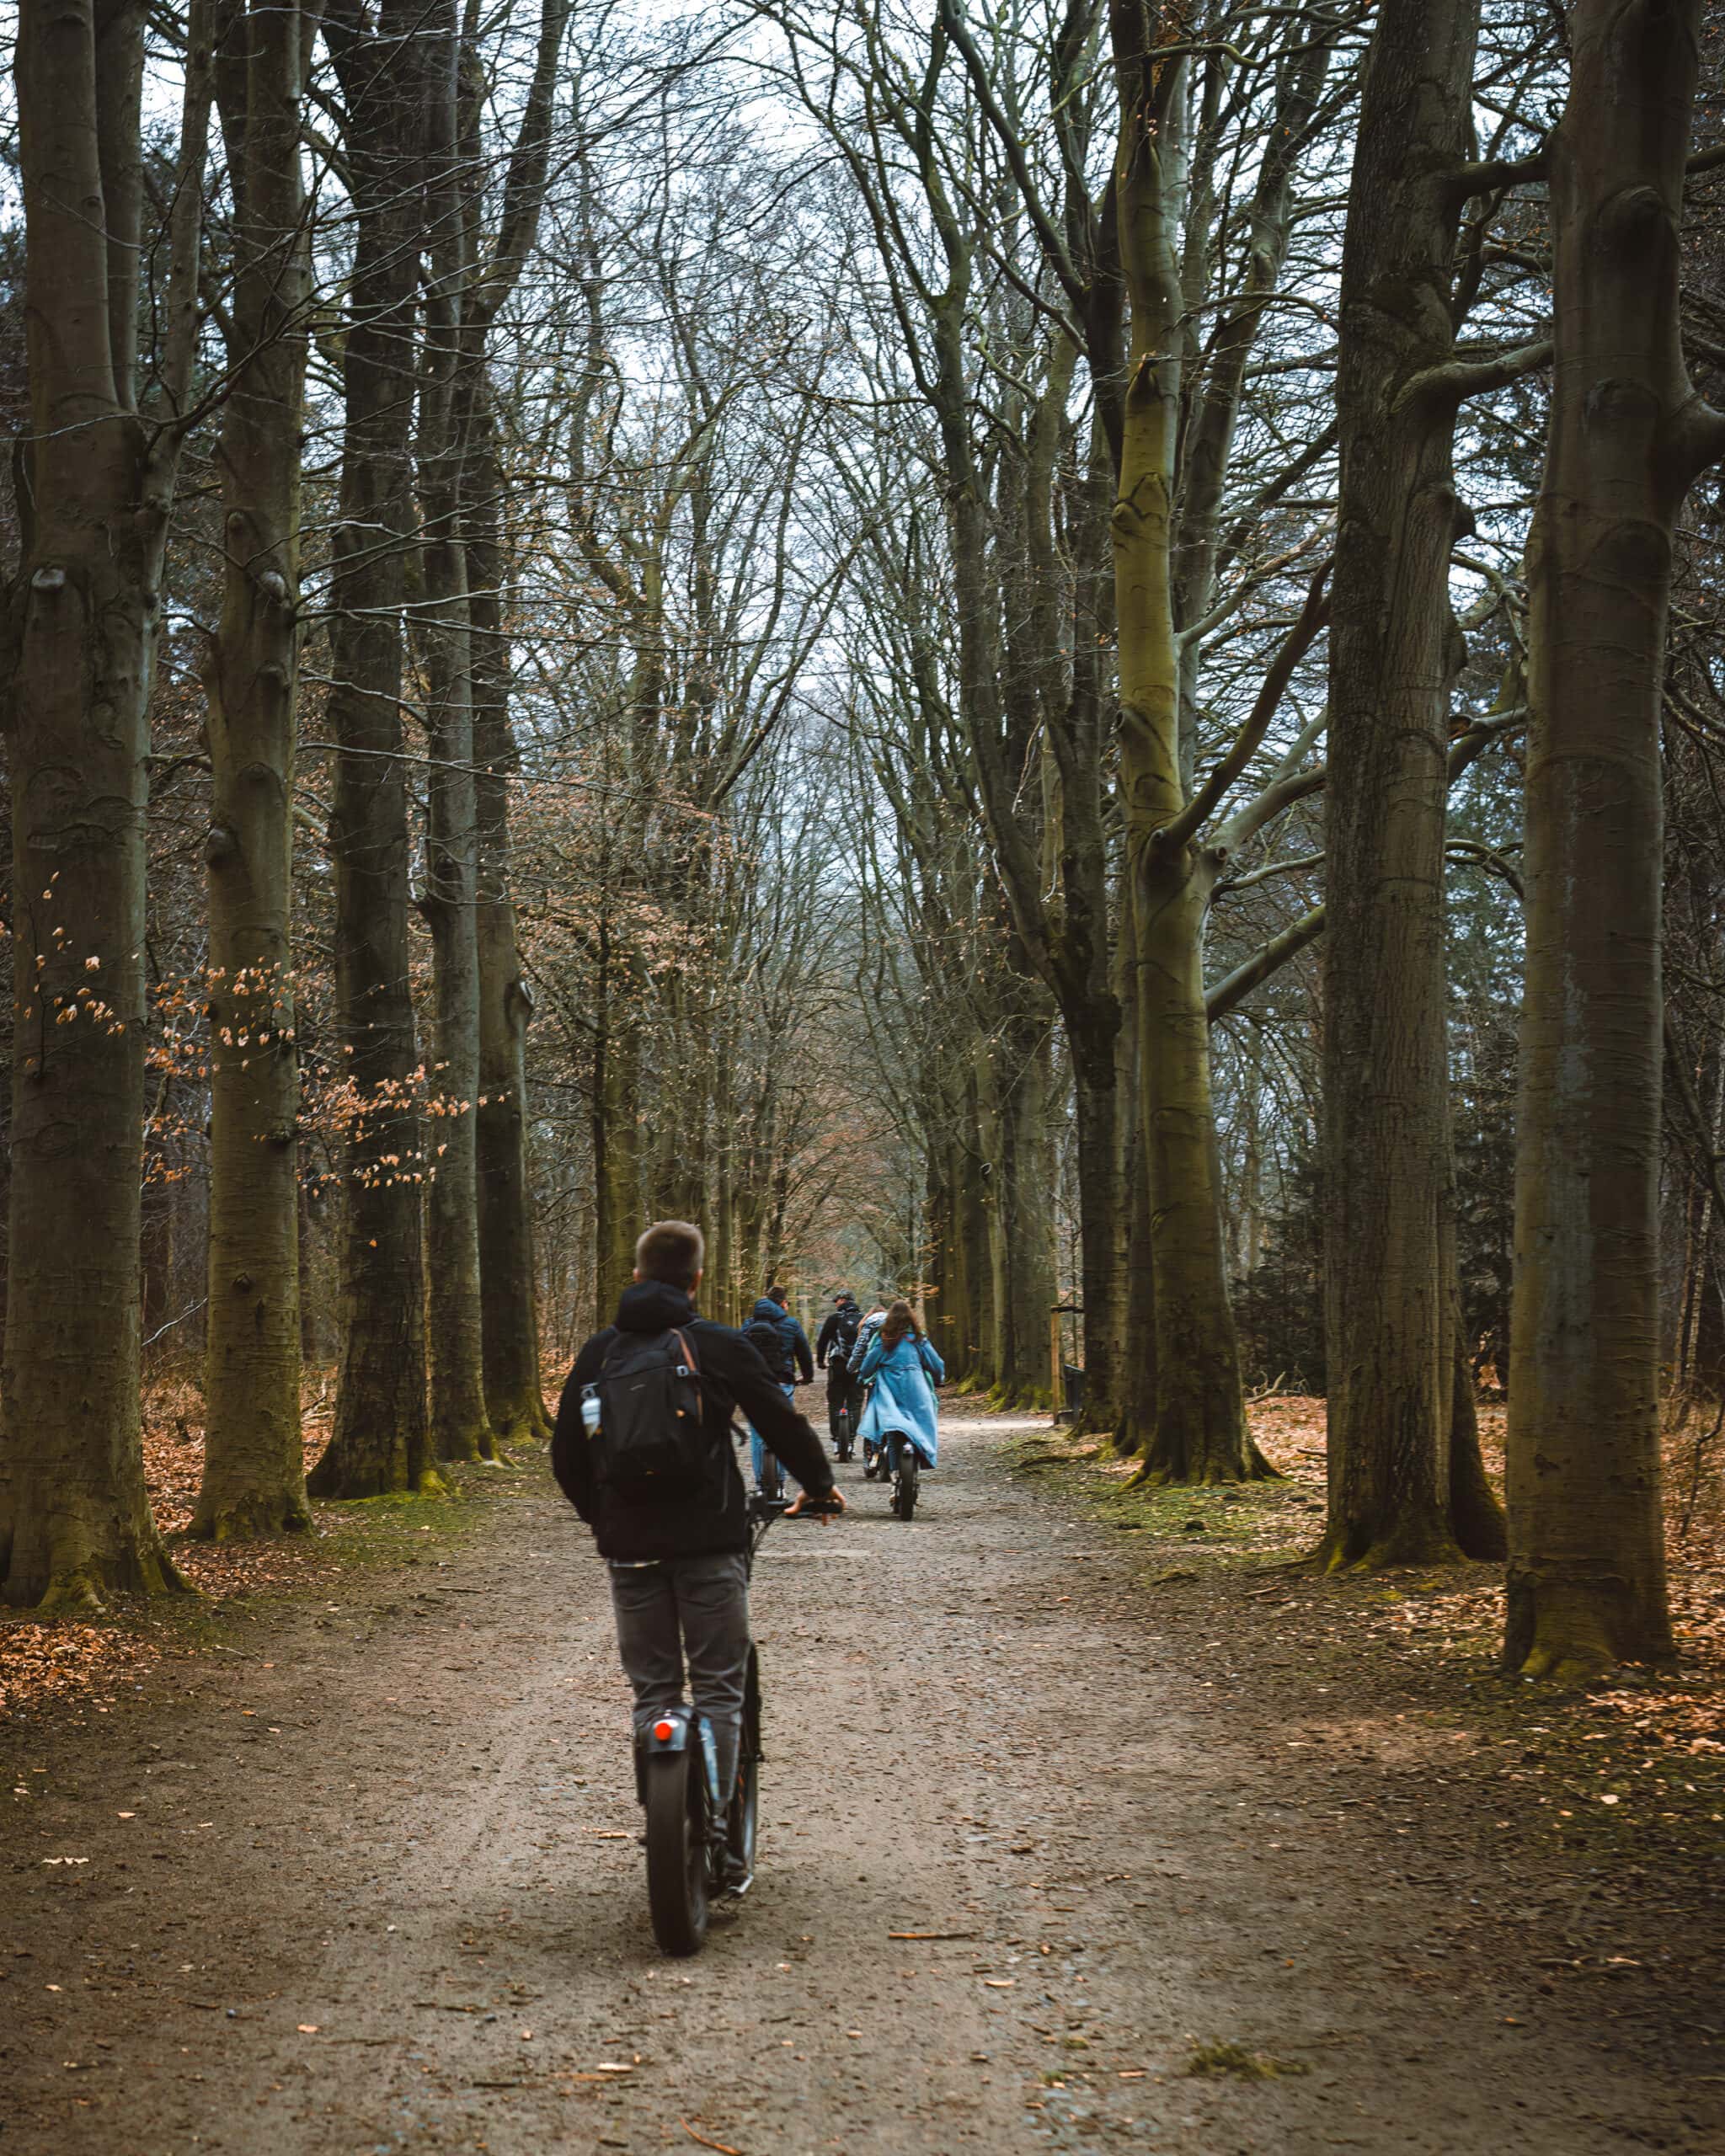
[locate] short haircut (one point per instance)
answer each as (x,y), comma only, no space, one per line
(776,1294)
(671,1251)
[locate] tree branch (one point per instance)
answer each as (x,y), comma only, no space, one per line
(1233,989)
(1052,244)
(1491,175)
(1457,380)
(1299,640)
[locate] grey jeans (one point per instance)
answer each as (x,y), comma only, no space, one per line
(694,1605)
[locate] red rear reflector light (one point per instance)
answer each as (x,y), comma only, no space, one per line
(664,1731)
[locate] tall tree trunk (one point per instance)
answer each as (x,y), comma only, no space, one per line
(83,618)
(1025,1172)
(1100,1243)
(1394,655)
(1134,1297)
(1095,1016)
(1200,1428)
(253,1481)
(1587,1572)
(380,1440)
(936,1212)
(1476,1516)
(509,1302)
(991,1085)
(616,1135)
(964,1275)
(461,1429)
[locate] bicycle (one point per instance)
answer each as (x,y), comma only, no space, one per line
(689,1859)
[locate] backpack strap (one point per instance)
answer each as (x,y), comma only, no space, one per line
(677,1334)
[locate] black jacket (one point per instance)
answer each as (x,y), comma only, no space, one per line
(830,1345)
(732,1376)
(793,1342)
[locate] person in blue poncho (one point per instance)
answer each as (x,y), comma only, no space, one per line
(905,1370)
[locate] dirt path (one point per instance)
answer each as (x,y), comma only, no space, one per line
(377,1888)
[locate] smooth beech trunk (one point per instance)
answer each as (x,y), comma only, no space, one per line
(509,1303)
(1628,436)
(1394,655)
(1023,1174)
(253,1481)
(1095,1014)
(1199,1434)
(1132,1314)
(380,1441)
(617,1132)
(1101,1241)
(83,616)
(461,1429)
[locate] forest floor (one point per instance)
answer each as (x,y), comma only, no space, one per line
(1083,1824)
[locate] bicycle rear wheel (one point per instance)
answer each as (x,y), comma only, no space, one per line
(676,1850)
(904,1489)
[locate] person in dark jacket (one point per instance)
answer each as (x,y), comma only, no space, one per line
(796,1340)
(679,1571)
(783,1347)
(832,1352)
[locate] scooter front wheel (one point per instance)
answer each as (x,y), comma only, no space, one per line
(676,1850)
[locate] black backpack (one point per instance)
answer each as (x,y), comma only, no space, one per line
(850,1325)
(767,1337)
(651,1441)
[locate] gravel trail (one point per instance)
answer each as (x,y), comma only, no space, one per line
(385,1895)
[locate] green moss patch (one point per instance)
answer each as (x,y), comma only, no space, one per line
(1217,2062)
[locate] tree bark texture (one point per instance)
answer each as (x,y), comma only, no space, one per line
(253,1481)
(509,1303)
(1200,1434)
(380,1441)
(617,1131)
(1628,436)
(1134,1283)
(461,1429)
(1095,1016)
(83,619)
(1014,1083)
(1393,656)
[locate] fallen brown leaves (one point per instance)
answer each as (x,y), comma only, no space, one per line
(40,1663)
(1643,1757)
(174,1467)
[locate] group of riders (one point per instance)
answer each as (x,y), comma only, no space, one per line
(643,1450)
(880,1372)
